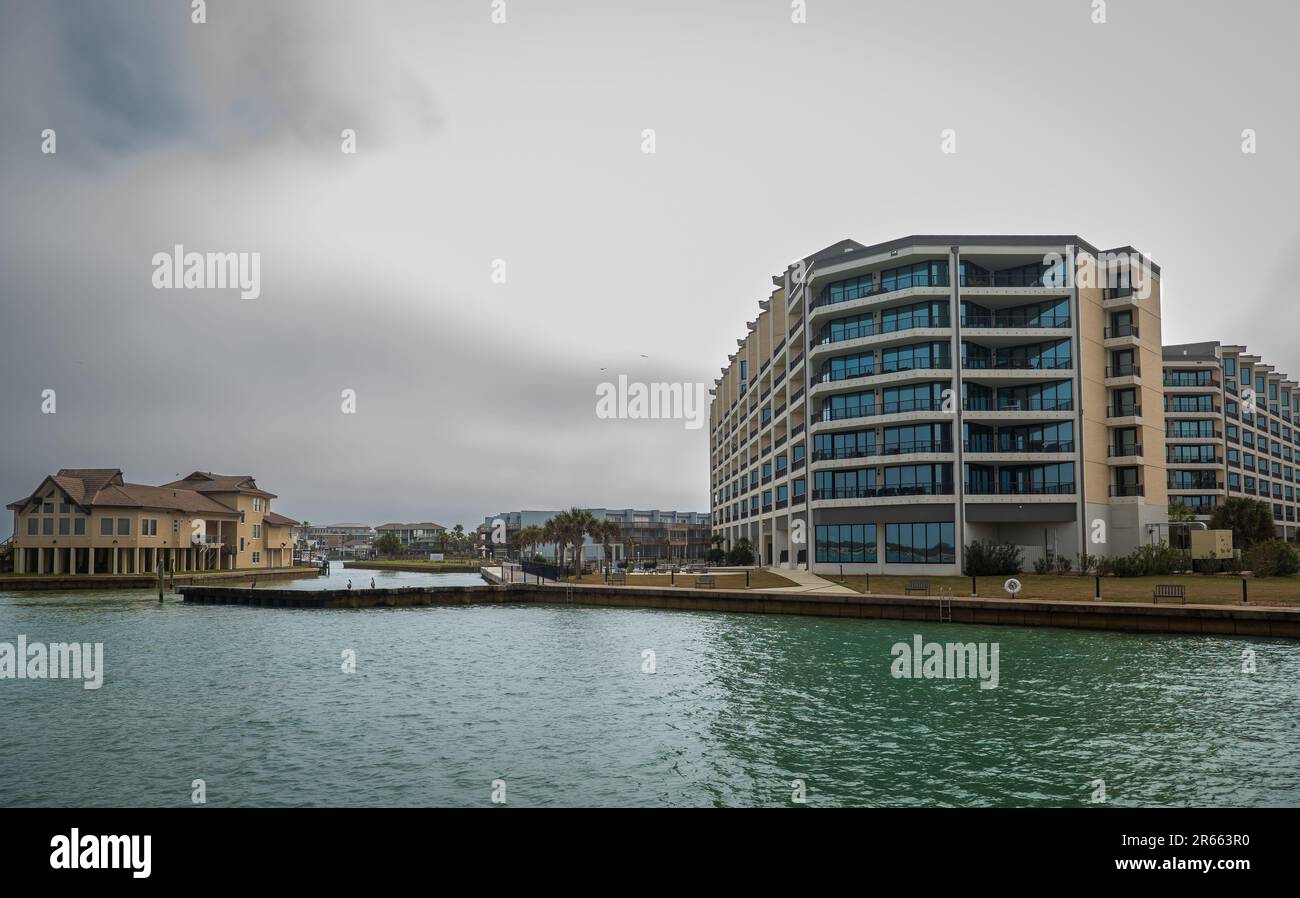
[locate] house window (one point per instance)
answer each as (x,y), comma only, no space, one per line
(257,557)
(65,526)
(33,526)
(64,508)
(105,526)
(123,526)
(47,526)
(47,507)
(241,544)
(79,527)
(257,531)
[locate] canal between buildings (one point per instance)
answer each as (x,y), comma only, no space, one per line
(568,706)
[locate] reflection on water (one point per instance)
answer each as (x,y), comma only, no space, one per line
(339,577)
(554,701)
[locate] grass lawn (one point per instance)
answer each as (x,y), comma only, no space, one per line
(757,580)
(1203,590)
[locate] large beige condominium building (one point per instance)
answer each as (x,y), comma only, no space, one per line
(91,521)
(897,402)
(1231,430)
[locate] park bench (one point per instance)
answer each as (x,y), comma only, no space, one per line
(619,578)
(1169,591)
(921,587)
(705,581)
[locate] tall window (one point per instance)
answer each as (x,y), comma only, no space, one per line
(846,543)
(928,543)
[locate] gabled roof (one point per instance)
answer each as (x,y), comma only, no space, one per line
(104,488)
(207,482)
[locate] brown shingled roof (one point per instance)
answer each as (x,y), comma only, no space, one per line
(207,482)
(279,520)
(104,488)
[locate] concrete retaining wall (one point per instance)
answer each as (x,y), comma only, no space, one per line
(1133,617)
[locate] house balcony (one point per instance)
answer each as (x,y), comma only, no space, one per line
(1123,375)
(1122,337)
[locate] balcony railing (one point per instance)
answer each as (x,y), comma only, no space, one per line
(1210,410)
(1123,330)
(1128,410)
(1176,381)
(991,445)
(888,408)
(884,492)
(1211,485)
(1021,489)
(905,448)
(855,332)
(1030,404)
(1014,319)
(831,375)
(1012,278)
(1124,451)
(996,364)
(1120,490)
(1129,370)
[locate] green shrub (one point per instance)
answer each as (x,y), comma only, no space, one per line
(1088,563)
(1063,564)
(742,553)
(716,556)
(988,559)
(1272,558)
(1147,561)
(1043,565)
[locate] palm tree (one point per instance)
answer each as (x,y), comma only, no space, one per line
(529,537)
(1250,521)
(607,532)
(572,527)
(551,535)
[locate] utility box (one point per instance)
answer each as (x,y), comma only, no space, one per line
(1212,544)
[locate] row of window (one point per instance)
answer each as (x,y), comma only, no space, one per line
(918,543)
(76,526)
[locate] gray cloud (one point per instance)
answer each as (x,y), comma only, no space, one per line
(521,142)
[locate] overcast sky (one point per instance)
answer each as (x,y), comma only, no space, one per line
(523,142)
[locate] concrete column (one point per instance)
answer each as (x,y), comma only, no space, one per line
(40,560)
(90,560)
(20,560)
(113,567)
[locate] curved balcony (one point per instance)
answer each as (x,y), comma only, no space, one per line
(861,339)
(874,298)
(982,370)
(884,413)
(879,378)
(1034,409)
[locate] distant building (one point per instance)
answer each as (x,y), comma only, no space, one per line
(423,537)
(91,521)
(644,535)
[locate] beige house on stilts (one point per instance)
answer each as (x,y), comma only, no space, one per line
(81,522)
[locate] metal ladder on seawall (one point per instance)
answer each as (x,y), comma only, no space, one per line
(945,605)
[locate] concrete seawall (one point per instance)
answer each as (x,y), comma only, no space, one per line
(47,582)
(1132,617)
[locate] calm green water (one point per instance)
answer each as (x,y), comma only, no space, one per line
(553,700)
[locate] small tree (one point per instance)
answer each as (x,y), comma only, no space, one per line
(742,553)
(388,544)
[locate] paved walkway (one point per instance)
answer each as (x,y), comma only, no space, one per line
(806,582)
